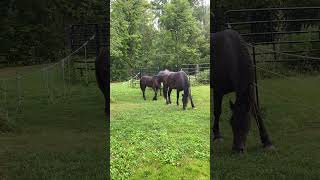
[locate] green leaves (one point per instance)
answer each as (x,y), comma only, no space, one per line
(156,33)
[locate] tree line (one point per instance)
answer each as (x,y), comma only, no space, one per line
(158,33)
(34,31)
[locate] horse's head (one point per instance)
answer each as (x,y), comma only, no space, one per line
(184,100)
(240,122)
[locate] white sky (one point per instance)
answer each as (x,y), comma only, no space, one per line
(207,2)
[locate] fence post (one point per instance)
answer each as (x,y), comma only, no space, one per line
(197,71)
(86,64)
(19,92)
(255,74)
(97,39)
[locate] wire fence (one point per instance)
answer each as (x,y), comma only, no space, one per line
(197,73)
(52,83)
(282,72)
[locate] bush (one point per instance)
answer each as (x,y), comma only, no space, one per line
(302,66)
(203,77)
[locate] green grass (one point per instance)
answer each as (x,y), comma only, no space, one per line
(151,140)
(60,140)
(293,128)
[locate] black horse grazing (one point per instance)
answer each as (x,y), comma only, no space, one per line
(234,72)
(150,81)
(101,72)
(178,81)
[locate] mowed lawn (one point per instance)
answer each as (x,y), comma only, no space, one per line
(293,128)
(151,140)
(63,140)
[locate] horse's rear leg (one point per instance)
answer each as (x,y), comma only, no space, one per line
(217,113)
(143,89)
(262,129)
(169,94)
(190,97)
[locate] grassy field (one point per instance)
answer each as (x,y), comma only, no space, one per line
(293,127)
(151,140)
(62,140)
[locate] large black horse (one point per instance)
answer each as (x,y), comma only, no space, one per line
(234,72)
(101,72)
(178,81)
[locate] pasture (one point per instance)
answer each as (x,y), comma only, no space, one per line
(291,114)
(60,140)
(151,140)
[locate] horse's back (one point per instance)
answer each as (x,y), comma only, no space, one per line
(178,80)
(147,81)
(233,64)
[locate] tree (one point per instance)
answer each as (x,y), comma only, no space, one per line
(184,29)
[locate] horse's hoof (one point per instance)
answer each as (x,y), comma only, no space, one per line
(269,148)
(237,151)
(194,108)
(218,139)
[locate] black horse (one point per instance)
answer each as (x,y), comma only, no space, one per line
(149,81)
(178,81)
(234,72)
(101,72)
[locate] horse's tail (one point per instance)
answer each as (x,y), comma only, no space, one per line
(254,108)
(186,87)
(252,97)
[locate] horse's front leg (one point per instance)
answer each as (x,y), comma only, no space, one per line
(143,89)
(155,94)
(165,90)
(217,113)
(177,98)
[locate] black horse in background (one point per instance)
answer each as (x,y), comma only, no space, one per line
(178,81)
(150,81)
(234,72)
(101,72)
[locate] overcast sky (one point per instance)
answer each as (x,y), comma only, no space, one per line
(207,1)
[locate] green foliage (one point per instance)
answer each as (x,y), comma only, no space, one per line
(156,33)
(203,76)
(305,49)
(33,31)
